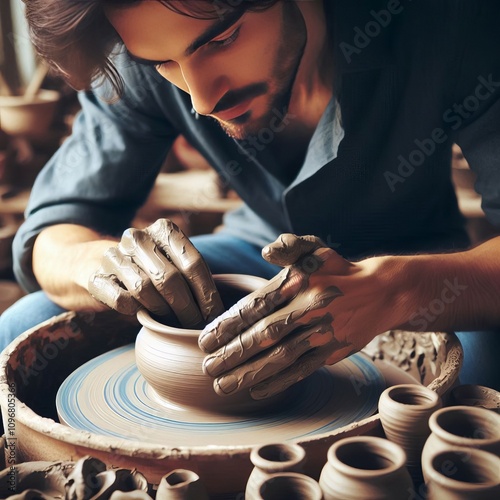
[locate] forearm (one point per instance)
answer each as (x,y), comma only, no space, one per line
(64,257)
(458,291)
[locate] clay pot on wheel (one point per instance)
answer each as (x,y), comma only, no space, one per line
(461,427)
(462,474)
(271,459)
(289,485)
(171,361)
(404,414)
(365,467)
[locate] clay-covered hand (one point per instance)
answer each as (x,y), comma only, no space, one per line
(157,268)
(319,309)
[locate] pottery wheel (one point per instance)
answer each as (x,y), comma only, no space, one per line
(108,396)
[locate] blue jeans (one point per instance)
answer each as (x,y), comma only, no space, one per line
(227,254)
(223,254)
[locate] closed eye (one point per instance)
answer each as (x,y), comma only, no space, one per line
(226,41)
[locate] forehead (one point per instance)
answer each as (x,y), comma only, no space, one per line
(147,26)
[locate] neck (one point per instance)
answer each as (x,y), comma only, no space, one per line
(313,88)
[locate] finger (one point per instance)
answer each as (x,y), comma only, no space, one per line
(252,308)
(106,289)
(279,358)
(263,335)
(289,248)
(134,279)
(164,276)
(191,265)
(304,367)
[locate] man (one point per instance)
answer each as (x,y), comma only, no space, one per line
(329,118)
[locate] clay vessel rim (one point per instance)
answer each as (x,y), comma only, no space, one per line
(264,463)
(146,320)
(43,96)
(188,477)
(308,482)
(482,413)
(432,398)
(244,282)
(481,393)
(391,451)
(481,455)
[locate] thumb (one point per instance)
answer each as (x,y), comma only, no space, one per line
(289,248)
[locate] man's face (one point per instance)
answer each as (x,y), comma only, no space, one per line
(236,69)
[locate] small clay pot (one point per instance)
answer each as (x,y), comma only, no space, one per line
(463,474)
(404,414)
(181,484)
(289,486)
(365,467)
(461,427)
(271,459)
(475,395)
(171,362)
(29,118)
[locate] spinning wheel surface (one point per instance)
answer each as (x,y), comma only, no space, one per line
(108,396)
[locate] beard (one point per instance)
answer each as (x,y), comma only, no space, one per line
(278,91)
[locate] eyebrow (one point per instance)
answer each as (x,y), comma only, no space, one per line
(211,32)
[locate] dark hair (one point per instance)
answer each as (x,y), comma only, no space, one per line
(76,38)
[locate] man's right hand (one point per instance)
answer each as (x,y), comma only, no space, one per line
(159,269)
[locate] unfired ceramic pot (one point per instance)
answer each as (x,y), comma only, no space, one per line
(29,117)
(404,414)
(462,427)
(365,467)
(475,395)
(463,474)
(171,361)
(181,484)
(271,459)
(289,486)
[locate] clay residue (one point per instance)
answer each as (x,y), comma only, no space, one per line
(86,479)
(159,269)
(282,331)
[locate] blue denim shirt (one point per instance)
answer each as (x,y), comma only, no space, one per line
(376,177)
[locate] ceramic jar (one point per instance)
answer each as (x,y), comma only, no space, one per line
(171,362)
(475,395)
(461,426)
(181,484)
(288,485)
(463,474)
(270,459)
(365,467)
(404,414)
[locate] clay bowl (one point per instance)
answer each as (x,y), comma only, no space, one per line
(475,395)
(170,360)
(34,365)
(28,117)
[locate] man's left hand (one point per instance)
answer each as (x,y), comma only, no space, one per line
(319,309)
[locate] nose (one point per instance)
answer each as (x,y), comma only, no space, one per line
(206,86)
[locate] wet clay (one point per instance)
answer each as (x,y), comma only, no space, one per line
(86,479)
(281,331)
(159,269)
